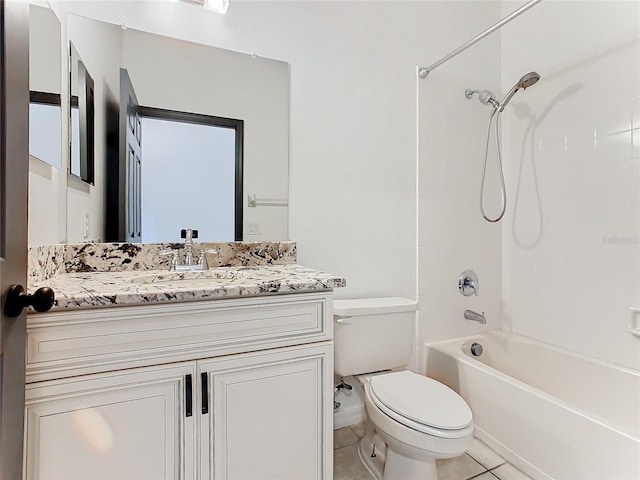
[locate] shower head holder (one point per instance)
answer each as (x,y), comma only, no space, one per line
(486,97)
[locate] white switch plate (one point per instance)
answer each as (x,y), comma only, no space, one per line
(254,228)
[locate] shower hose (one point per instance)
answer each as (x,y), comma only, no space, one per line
(494,114)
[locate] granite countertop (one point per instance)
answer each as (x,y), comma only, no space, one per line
(138,287)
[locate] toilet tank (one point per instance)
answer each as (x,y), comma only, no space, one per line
(372,334)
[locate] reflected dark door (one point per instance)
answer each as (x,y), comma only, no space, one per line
(130,163)
(14,169)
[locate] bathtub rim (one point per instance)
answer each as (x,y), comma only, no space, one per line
(550,346)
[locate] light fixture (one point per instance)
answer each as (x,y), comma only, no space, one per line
(219,6)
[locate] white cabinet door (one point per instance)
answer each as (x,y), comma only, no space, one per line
(129,424)
(269,415)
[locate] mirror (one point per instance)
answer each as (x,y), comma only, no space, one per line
(184,77)
(81,108)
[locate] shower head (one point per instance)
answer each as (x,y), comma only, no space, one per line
(526,81)
(486,97)
(529,79)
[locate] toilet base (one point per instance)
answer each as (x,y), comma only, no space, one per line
(384,463)
(374,466)
(401,467)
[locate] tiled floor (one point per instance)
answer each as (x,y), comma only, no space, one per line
(479,463)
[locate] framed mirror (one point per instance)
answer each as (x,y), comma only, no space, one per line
(82,119)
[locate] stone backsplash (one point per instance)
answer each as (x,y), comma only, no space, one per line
(49,261)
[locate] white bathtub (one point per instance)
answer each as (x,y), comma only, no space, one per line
(553,413)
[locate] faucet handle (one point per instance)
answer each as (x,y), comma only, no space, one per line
(188,233)
(202,261)
(468,283)
(174,259)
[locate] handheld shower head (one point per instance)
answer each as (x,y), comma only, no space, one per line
(526,81)
(529,79)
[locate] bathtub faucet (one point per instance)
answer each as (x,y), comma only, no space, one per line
(476,317)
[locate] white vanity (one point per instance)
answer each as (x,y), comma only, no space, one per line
(223,388)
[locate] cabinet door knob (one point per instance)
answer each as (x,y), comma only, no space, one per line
(41,300)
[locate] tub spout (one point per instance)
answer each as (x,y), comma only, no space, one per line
(476,317)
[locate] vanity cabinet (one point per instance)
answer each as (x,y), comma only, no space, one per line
(224,389)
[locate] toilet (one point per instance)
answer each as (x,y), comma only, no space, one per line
(412,420)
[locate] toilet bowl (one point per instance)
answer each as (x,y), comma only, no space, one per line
(418,419)
(412,420)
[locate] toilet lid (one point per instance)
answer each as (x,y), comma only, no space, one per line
(422,400)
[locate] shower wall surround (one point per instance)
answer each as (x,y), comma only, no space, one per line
(571,249)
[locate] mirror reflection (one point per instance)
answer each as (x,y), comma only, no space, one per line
(45,61)
(183,179)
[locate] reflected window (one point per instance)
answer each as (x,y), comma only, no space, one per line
(191,175)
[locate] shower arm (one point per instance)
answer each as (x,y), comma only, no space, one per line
(424,71)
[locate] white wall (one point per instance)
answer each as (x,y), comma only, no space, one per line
(570,243)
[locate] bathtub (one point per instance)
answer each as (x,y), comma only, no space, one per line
(553,413)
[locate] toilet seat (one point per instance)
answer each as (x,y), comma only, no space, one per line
(421,403)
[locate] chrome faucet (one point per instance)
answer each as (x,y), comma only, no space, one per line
(474,316)
(188,263)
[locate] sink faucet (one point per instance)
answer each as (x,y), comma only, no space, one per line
(476,317)
(188,263)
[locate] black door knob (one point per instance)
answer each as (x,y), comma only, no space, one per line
(41,300)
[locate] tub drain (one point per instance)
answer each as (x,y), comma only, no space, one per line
(476,349)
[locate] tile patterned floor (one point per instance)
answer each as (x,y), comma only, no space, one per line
(478,463)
